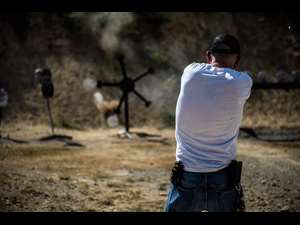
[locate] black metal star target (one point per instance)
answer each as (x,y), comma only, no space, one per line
(127,86)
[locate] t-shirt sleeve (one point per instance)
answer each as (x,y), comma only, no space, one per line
(245,85)
(190,71)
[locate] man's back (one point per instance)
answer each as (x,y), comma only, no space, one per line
(208,116)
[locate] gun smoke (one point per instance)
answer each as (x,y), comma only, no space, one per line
(89,84)
(108,26)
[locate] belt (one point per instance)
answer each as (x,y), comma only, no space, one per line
(222,171)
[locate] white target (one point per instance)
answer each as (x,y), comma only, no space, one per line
(113,121)
(98,98)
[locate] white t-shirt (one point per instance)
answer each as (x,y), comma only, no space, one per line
(208,116)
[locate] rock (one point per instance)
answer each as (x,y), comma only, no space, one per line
(54,178)
(15,200)
(162,187)
(285,209)
(274,184)
(263,182)
(64,178)
(280,196)
(260,198)
(251,200)
(264,204)
(107,203)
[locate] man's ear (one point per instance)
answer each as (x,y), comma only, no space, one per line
(208,57)
(237,62)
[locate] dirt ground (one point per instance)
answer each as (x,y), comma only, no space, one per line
(129,175)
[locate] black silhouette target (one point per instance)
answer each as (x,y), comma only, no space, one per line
(127,86)
(44,78)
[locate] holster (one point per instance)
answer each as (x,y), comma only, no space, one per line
(234,174)
(177,173)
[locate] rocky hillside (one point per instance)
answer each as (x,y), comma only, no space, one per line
(77,45)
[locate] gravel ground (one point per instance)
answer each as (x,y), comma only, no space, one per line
(120,175)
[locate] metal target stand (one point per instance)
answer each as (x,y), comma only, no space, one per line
(44,77)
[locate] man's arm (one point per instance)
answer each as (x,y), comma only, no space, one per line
(245,84)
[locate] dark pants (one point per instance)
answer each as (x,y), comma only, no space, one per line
(200,192)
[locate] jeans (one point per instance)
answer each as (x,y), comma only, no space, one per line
(202,192)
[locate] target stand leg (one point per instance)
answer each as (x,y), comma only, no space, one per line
(53,137)
(68,140)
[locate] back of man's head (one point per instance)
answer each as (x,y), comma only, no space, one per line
(225,44)
(224,51)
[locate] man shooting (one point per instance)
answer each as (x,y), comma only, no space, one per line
(206,175)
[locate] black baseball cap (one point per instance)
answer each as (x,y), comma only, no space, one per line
(225,44)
